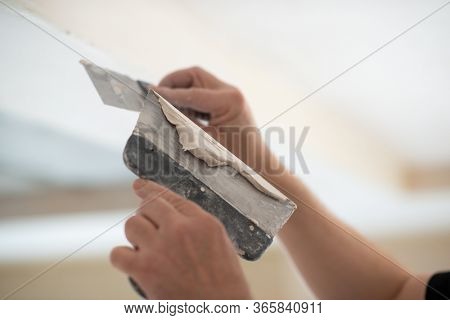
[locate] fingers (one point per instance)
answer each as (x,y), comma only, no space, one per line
(143,188)
(123,258)
(198,99)
(151,191)
(191,77)
(147,189)
(178,79)
(139,230)
(159,212)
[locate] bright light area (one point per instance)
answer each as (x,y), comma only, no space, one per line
(51,238)
(370,131)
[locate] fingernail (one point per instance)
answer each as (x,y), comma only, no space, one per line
(139,183)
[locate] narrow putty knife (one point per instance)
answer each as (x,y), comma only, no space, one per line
(251,217)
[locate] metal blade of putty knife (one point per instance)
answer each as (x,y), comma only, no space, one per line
(121,91)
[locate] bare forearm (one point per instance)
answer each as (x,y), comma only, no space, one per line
(331,257)
(414,288)
(336,261)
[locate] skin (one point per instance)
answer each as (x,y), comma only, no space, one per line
(181,251)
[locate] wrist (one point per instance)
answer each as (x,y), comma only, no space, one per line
(259,157)
(247,144)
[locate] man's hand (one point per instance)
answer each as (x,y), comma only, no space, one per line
(199,90)
(231,122)
(180,251)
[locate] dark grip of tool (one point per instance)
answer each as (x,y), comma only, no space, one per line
(137,288)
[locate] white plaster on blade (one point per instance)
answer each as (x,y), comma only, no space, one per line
(206,148)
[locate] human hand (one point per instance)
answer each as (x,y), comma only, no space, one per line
(231,121)
(180,251)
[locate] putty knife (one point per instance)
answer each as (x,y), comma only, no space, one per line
(153,151)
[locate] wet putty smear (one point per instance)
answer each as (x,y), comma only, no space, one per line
(193,139)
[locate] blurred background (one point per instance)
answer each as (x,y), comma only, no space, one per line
(377,150)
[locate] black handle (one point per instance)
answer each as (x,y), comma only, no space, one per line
(137,288)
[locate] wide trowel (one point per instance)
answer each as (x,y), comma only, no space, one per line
(170,149)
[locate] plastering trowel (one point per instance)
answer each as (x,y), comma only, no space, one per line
(168,148)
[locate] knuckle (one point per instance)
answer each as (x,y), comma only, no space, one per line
(184,205)
(147,208)
(212,223)
(237,97)
(148,203)
(130,224)
(128,228)
(187,206)
(196,69)
(153,194)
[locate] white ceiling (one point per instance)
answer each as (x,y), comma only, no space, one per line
(389,112)
(280,52)
(401,94)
